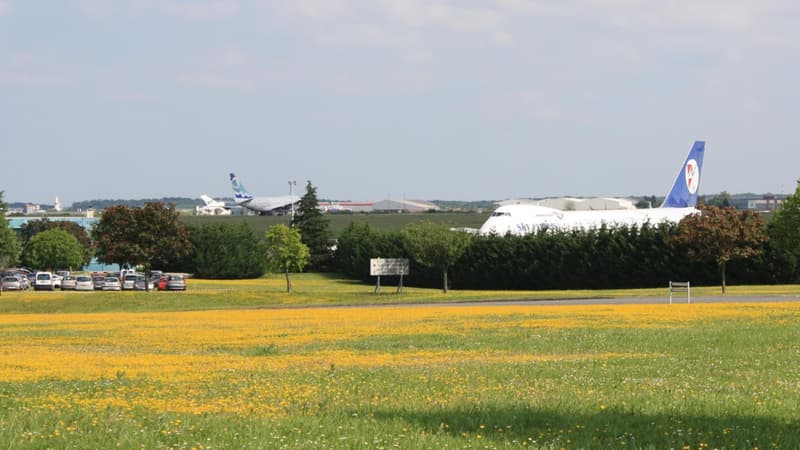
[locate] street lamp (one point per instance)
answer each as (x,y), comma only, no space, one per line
(292,184)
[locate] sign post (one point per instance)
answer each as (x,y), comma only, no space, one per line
(388,266)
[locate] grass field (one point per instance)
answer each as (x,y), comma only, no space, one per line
(338,222)
(210,368)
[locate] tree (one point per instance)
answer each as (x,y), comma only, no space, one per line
(359,243)
(722,235)
(34,227)
(151,236)
(313,227)
(784,230)
(721,200)
(54,249)
(9,244)
(285,251)
(227,251)
(434,245)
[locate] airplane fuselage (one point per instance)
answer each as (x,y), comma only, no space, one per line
(525,219)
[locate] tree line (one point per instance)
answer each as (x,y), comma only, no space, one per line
(720,246)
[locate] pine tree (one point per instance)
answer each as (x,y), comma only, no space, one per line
(314,229)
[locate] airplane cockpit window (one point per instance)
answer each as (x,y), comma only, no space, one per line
(501,214)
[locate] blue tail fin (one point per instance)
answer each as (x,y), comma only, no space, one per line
(684,192)
(238,189)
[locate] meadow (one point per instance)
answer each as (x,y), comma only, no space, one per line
(338,222)
(244,365)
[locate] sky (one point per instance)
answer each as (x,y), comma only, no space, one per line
(422,99)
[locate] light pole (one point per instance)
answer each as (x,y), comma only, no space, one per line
(292,184)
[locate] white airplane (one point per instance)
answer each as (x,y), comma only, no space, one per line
(212,207)
(679,203)
(262,205)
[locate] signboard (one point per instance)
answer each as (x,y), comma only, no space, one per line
(388,266)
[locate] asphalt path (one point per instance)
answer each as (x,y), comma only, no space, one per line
(676,299)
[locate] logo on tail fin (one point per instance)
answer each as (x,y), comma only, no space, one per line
(240,193)
(684,191)
(692,176)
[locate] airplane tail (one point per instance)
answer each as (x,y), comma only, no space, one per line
(684,192)
(240,193)
(206,199)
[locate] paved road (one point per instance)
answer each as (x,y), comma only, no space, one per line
(640,300)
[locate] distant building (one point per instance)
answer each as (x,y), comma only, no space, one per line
(403,206)
(757,202)
(31,208)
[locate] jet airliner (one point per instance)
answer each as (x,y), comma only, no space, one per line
(261,205)
(679,203)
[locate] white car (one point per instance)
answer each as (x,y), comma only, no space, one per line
(128,281)
(44,281)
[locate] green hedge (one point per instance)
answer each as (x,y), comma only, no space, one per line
(594,259)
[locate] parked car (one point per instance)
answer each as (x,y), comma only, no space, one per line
(128,281)
(112,284)
(175,283)
(161,284)
(68,283)
(11,283)
(57,281)
(139,283)
(23,279)
(83,283)
(63,273)
(98,281)
(44,281)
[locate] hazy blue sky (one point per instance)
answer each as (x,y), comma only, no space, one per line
(440,99)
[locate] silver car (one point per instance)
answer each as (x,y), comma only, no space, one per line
(11,283)
(68,283)
(83,283)
(140,285)
(112,284)
(176,283)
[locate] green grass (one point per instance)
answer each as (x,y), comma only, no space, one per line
(314,290)
(338,222)
(726,382)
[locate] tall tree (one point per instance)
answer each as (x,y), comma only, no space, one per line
(434,245)
(285,251)
(784,231)
(54,249)
(34,227)
(314,228)
(722,235)
(151,236)
(9,244)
